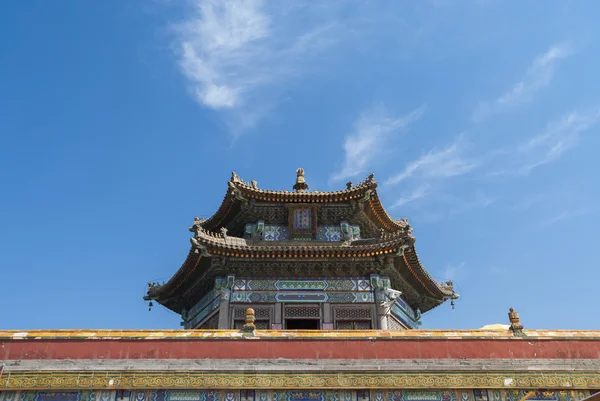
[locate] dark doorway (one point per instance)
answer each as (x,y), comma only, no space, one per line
(302,324)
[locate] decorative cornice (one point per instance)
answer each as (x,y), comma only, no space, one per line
(376,380)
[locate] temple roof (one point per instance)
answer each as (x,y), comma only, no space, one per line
(222,244)
(241,192)
(389,247)
(196,267)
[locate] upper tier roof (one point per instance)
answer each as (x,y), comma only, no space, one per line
(241,192)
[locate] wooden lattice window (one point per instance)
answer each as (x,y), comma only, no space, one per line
(302,312)
(352,318)
(262,316)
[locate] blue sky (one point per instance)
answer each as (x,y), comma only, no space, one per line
(122,120)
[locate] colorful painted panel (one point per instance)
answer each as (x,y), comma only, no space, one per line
(249,231)
(403,317)
(340,232)
(203,308)
(403,305)
(57,396)
(413,395)
(338,290)
(306,396)
(329,233)
(331,284)
(302,297)
(307,296)
(303,219)
(275,233)
(301,284)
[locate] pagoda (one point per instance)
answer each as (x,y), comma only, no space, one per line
(301,259)
(269,264)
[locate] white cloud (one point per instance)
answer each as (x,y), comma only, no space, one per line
(453,271)
(497,270)
(566,215)
(448,162)
(558,137)
(417,193)
(480,201)
(369,139)
(538,75)
(216,42)
(231,50)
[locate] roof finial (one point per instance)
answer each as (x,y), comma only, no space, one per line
(515,326)
(301,184)
(249,327)
(349,185)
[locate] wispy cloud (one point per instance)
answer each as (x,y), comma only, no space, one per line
(566,215)
(369,139)
(558,137)
(444,163)
(440,205)
(497,270)
(453,271)
(480,201)
(530,201)
(229,50)
(417,193)
(538,75)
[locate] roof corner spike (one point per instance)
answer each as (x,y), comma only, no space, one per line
(515,326)
(300,185)
(234,177)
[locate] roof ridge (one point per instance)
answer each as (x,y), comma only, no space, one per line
(368,183)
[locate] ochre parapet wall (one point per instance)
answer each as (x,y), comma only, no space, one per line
(297,349)
(230,344)
(292,334)
(196,359)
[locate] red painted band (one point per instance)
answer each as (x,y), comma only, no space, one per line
(314,349)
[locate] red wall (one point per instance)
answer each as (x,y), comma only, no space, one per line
(302,349)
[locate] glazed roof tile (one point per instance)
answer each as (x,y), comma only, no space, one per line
(241,191)
(214,240)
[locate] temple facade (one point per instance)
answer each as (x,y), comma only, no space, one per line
(302,260)
(301,296)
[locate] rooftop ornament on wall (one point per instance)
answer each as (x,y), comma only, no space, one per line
(300,185)
(249,327)
(515,326)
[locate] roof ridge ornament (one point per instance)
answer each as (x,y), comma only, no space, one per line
(515,323)
(300,185)
(249,327)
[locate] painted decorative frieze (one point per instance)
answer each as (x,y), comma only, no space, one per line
(298,395)
(359,284)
